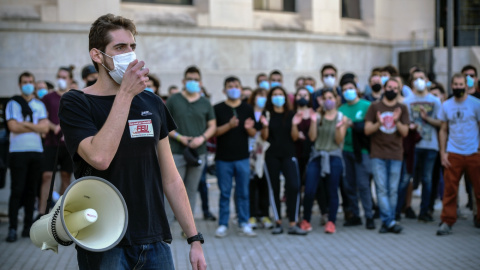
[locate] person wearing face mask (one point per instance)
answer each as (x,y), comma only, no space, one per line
(153,85)
(275,79)
(388,72)
(386,122)
(194,129)
(235,125)
(258,190)
(26,119)
(459,138)
(356,156)
(375,83)
(470,73)
(40,89)
(328,73)
(89,75)
(116,130)
(327,132)
(54,141)
(280,157)
(423,109)
(262,81)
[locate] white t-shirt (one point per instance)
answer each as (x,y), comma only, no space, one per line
(28,141)
(463,127)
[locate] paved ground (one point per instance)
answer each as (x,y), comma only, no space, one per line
(350,248)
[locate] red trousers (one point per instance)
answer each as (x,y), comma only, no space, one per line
(452,175)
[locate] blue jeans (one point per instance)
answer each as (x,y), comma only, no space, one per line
(311,183)
(386,174)
(226,171)
(357,183)
(149,256)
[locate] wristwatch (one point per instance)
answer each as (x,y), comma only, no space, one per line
(198,237)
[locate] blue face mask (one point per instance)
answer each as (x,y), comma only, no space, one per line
(275,84)
(192,86)
(42,92)
(309,88)
(384,79)
(470,82)
(429,84)
(278,101)
(350,94)
(234,93)
(27,89)
(261,102)
(264,84)
(149,89)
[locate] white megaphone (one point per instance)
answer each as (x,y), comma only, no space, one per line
(91,213)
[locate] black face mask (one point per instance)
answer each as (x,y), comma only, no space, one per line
(458,92)
(376,87)
(302,102)
(92,82)
(390,95)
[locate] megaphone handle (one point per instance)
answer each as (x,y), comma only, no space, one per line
(54,229)
(52,182)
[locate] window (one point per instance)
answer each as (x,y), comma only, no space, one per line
(351,9)
(274,5)
(172,2)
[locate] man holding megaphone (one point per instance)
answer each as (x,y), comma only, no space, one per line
(117,131)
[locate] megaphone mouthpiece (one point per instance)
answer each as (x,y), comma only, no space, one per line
(79,220)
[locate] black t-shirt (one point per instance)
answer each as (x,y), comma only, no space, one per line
(233,145)
(280,135)
(135,169)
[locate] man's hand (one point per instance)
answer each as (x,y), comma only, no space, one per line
(396,114)
(184,139)
(57,129)
(197,259)
(380,119)
(423,114)
(444,160)
(249,123)
(233,123)
(135,78)
(196,142)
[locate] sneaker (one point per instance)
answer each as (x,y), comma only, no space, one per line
(354,221)
(12,236)
(409,213)
(266,222)
(370,224)
(246,230)
(221,231)
(252,222)
(330,227)
(394,229)
(209,217)
(26,233)
(425,218)
(305,225)
(278,229)
(444,229)
(383,229)
(295,230)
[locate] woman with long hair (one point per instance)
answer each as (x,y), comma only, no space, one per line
(326,163)
(280,157)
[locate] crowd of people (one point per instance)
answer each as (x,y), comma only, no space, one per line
(328,144)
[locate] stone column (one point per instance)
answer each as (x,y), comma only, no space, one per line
(225,13)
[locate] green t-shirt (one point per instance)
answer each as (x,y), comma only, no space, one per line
(191,119)
(356,113)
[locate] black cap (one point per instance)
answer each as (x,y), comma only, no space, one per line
(87,70)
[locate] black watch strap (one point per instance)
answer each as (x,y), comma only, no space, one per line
(198,237)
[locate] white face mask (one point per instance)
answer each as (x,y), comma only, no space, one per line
(419,84)
(62,84)
(120,63)
(329,81)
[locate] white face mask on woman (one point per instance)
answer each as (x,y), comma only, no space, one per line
(120,63)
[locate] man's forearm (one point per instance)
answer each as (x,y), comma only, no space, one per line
(178,199)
